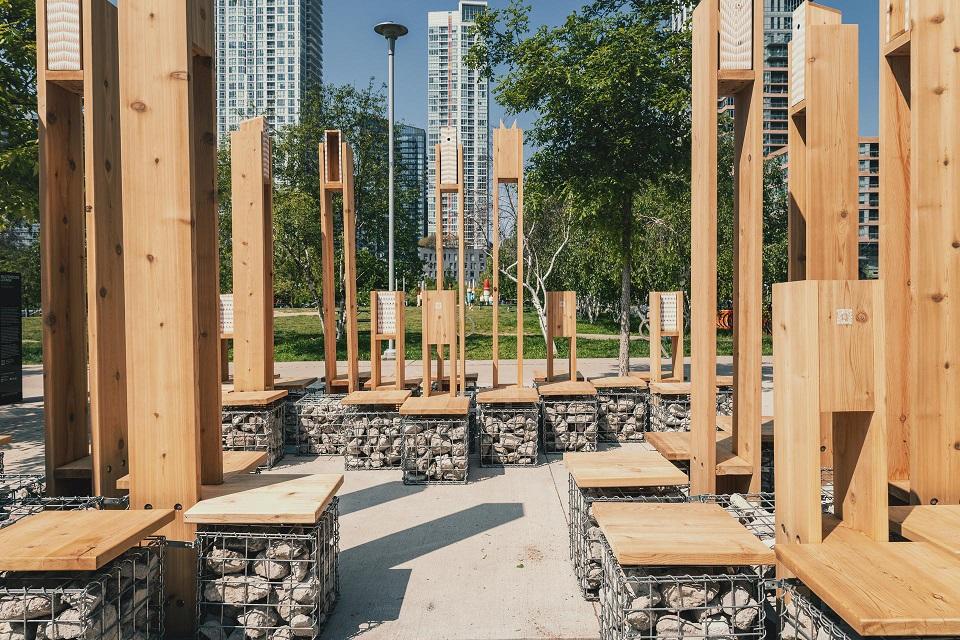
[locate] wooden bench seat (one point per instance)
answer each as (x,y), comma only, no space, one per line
(938,525)
(293,384)
(5,439)
(265,499)
(509,395)
(623,468)
(675,446)
(560,389)
(234,462)
(442,405)
(233,399)
(81,469)
(540,376)
(411,384)
(387,397)
(619,382)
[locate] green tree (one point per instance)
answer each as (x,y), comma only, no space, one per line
(611,87)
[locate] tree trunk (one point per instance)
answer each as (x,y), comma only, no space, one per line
(626,273)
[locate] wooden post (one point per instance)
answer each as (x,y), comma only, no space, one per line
(507,169)
(167,125)
(336,176)
(387,322)
(727,58)
(252,181)
(823,148)
(440,329)
(828,346)
(665,316)
(562,323)
(449,171)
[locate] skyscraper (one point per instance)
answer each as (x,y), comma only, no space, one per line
(777,29)
(457,96)
(268,53)
(412,171)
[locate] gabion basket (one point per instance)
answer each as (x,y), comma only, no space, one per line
(121,601)
(267,582)
(671,411)
(586,539)
(291,415)
(16,512)
(680,602)
(508,434)
(255,429)
(623,414)
(319,424)
(755,511)
(16,488)
(569,424)
(724,401)
(435,450)
(373,436)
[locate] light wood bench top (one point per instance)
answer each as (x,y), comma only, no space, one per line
(509,395)
(442,405)
(937,524)
(554,389)
(619,382)
(293,384)
(265,498)
(5,439)
(900,489)
(387,397)
(387,385)
(234,462)
(628,468)
(881,588)
(253,398)
(724,381)
(540,376)
(670,388)
(675,446)
(678,534)
(77,470)
(76,540)
(766,426)
(643,375)
(342,383)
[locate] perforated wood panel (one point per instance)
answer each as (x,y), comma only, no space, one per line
(63,35)
(798,55)
(226,314)
(386,312)
(736,34)
(668,312)
(448,155)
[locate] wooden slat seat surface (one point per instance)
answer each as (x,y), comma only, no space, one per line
(388,384)
(619,382)
(557,389)
(670,388)
(678,534)
(252,398)
(675,446)
(265,499)
(509,395)
(293,384)
(234,462)
(624,468)
(725,423)
(540,376)
(938,525)
(387,397)
(76,540)
(341,383)
(77,470)
(881,588)
(436,406)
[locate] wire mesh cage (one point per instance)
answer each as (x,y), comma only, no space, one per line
(755,511)
(123,600)
(20,510)
(623,414)
(319,424)
(435,450)
(255,429)
(291,415)
(725,401)
(803,616)
(508,434)
(267,582)
(586,546)
(373,436)
(569,424)
(18,487)
(1,463)
(680,602)
(671,412)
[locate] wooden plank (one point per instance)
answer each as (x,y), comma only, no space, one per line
(80,469)
(266,499)
(678,534)
(623,468)
(234,462)
(252,398)
(60,113)
(619,382)
(938,525)
(329,163)
(251,177)
(350,266)
(436,406)
(410,384)
(557,389)
(900,489)
(668,388)
(675,446)
(389,397)
(509,395)
(935,229)
(76,540)
(293,384)
(766,427)
(5,439)
(540,376)
(881,588)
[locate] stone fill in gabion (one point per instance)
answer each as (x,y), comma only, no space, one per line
(586,538)
(255,429)
(569,424)
(121,601)
(680,602)
(435,450)
(508,434)
(803,616)
(267,582)
(319,425)
(724,401)
(755,511)
(291,415)
(374,438)
(623,414)
(671,412)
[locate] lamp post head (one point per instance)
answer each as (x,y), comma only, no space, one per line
(391,30)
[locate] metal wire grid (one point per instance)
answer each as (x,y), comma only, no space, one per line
(755,511)
(508,435)
(17,511)
(803,616)
(318,425)
(255,429)
(585,537)
(669,412)
(569,424)
(17,487)
(724,401)
(267,582)
(1,463)
(435,450)
(680,602)
(374,438)
(623,414)
(123,600)
(291,415)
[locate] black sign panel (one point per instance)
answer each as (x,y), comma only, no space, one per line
(11,345)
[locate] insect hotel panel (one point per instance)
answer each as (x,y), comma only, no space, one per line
(666,321)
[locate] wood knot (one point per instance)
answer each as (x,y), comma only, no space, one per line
(103,292)
(937,297)
(937,19)
(107,165)
(844,213)
(862,317)
(939,90)
(150,257)
(955,244)
(956,446)
(138,106)
(180,75)
(119,249)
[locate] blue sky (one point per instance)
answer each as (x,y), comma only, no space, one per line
(353,53)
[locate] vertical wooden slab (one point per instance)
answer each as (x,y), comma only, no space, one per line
(350,267)
(656,339)
(376,356)
(518,141)
(703,236)
(401,340)
(252,186)
(330,168)
(461,280)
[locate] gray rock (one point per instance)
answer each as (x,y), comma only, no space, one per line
(258,621)
(237,589)
(25,607)
(225,561)
(689,596)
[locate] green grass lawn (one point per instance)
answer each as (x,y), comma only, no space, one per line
(298,337)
